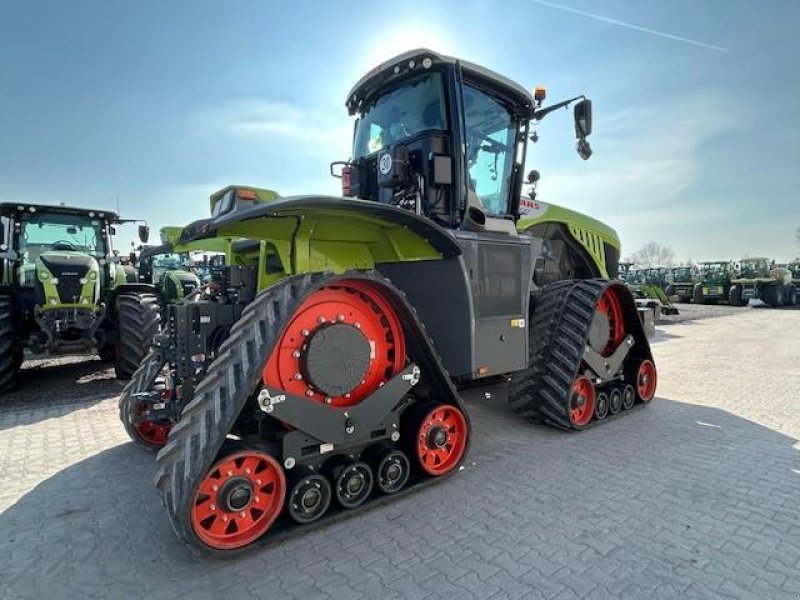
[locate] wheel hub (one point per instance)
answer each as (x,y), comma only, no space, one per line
(599,331)
(437,437)
(236,494)
(335,359)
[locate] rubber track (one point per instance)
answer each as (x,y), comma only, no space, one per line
(138,317)
(9,358)
(194,443)
(142,381)
(558,335)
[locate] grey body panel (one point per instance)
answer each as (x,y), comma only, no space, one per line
(474,306)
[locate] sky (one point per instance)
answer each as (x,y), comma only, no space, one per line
(152,106)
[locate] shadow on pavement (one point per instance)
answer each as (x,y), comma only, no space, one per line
(672,495)
(49,384)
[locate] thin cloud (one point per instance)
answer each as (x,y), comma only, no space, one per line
(610,21)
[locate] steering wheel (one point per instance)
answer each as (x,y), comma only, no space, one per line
(64,245)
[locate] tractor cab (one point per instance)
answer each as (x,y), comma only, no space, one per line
(755,268)
(445,138)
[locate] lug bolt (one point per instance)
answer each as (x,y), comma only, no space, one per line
(357,325)
(247,470)
(230,473)
(328,399)
(305,332)
(340,317)
(225,517)
(241,514)
(298,376)
(289,463)
(213,507)
(309,393)
(320,319)
(257,499)
(296,354)
(215,487)
(395,436)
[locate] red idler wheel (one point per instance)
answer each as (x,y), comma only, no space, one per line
(582,402)
(349,311)
(610,308)
(646,379)
(153,433)
(238,500)
(441,439)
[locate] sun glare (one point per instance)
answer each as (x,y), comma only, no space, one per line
(408,36)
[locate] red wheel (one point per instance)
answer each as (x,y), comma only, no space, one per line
(609,307)
(153,433)
(343,343)
(238,500)
(441,439)
(646,380)
(581,402)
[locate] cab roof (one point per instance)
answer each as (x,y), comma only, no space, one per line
(413,61)
(10,209)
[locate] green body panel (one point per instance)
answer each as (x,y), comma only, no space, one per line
(329,240)
(89,293)
(590,233)
(176,277)
(120,277)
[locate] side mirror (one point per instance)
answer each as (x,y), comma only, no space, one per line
(533,177)
(112,230)
(583,118)
(144,233)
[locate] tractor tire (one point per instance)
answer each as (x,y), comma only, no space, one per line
(148,433)
(550,390)
(138,319)
(697,294)
(11,356)
(795,294)
(735,296)
(195,453)
(790,298)
(772,295)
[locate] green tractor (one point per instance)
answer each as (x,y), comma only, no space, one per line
(307,383)
(713,281)
(176,270)
(760,279)
(647,295)
(680,283)
(64,290)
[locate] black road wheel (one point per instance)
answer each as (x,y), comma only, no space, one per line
(735,296)
(138,318)
(308,498)
(391,468)
(601,406)
(10,353)
(615,401)
(352,483)
(628,397)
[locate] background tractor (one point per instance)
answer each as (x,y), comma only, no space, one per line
(646,294)
(680,283)
(307,383)
(713,281)
(760,279)
(64,292)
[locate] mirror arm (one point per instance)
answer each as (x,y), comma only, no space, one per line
(538,115)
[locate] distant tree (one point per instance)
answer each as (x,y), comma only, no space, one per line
(654,255)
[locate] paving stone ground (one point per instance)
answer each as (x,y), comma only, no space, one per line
(695,496)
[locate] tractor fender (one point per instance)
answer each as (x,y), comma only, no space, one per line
(298,206)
